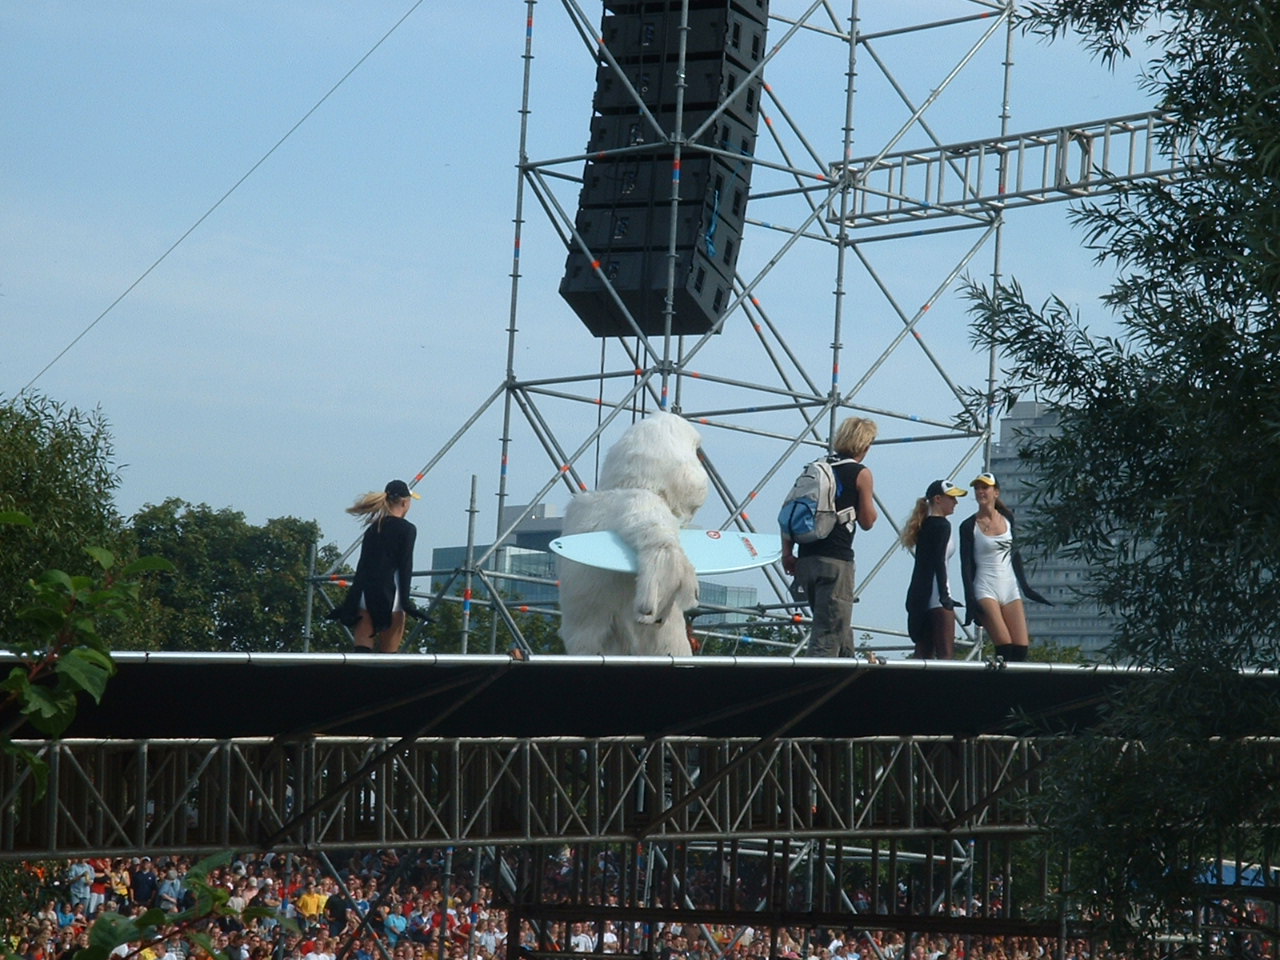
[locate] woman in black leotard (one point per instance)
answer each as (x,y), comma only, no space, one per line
(931,619)
(378,600)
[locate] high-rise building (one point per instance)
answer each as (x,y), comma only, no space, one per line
(523,567)
(526,569)
(1071,621)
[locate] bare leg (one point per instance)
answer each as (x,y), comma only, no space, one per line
(918,629)
(993,621)
(1014,620)
(944,633)
(364,632)
(389,639)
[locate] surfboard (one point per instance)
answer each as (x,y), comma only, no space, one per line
(710,551)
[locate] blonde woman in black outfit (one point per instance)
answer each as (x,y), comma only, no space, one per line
(378,600)
(824,569)
(931,618)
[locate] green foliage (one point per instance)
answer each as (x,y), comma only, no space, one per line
(487,632)
(540,632)
(195,924)
(56,481)
(58,640)
(1040,652)
(235,585)
(1163,474)
(758,638)
(55,469)
(22,885)
(1143,816)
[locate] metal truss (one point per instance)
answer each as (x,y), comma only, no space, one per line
(332,793)
(785,363)
(986,177)
(916,835)
(925,886)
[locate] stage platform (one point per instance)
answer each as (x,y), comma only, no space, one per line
(206,752)
(229,696)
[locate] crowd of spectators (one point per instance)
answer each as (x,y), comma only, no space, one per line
(373,906)
(368,902)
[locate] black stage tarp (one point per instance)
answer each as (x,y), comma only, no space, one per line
(225,696)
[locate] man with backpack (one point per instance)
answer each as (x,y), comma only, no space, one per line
(817,522)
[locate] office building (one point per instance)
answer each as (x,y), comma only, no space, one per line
(1070,622)
(525,569)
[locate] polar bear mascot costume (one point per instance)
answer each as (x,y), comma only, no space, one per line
(651,485)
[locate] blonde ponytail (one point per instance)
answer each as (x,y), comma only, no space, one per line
(372,507)
(911,532)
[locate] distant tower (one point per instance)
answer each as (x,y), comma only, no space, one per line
(1071,622)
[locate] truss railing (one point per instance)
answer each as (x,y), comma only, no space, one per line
(978,177)
(330,793)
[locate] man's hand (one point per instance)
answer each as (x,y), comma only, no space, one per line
(788,558)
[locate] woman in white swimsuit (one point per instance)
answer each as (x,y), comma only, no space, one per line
(994,582)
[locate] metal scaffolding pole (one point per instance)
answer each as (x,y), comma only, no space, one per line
(828,197)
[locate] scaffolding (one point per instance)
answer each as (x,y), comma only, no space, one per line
(108,797)
(798,816)
(788,828)
(793,832)
(871,204)
(920,835)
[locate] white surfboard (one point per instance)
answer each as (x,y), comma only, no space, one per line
(710,551)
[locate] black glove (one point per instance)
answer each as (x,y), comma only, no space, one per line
(343,616)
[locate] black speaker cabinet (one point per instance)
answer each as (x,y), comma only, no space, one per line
(630,189)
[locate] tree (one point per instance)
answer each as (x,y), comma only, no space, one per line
(235,586)
(196,924)
(777,639)
(443,633)
(56,469)
(24,886)
(21,885)
(58,642)
(1164,473)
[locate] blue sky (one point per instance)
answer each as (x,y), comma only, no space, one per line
(345,310)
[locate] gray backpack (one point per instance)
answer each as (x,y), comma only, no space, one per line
(809,511)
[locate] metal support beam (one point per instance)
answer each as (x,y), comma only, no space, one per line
(206,795)
(980,177)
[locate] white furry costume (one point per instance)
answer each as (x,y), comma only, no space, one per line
(651,485)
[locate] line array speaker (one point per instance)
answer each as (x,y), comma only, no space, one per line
(625,208)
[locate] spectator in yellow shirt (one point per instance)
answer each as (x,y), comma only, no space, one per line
(311,903)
